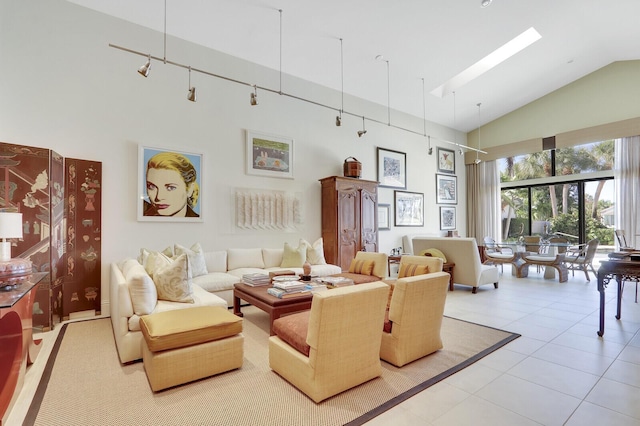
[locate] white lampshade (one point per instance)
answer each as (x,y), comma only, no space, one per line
(10,225)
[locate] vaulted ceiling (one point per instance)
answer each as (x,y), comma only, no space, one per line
(420,39)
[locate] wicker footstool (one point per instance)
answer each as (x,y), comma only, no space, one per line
(189,344)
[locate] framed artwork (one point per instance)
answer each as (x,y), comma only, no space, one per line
(392,168)
(409,208)
(384,212)
(446,189)
(169,185)
(447,218)
(446,161)
(269,155)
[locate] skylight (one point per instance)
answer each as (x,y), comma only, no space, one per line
(494,58)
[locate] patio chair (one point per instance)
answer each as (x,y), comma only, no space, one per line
(580,258)
(496,254)
(622,241)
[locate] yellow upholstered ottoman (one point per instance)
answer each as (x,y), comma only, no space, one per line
(189,344)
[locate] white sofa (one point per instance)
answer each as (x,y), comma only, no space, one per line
(224,267)
(469,270)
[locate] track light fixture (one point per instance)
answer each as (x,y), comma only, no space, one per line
(363,131)
(485,3)
(430,150)
(254,96)
(461,151)
(192,90)
(339,120)
(144,70)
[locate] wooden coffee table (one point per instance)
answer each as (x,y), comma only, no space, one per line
(275,307)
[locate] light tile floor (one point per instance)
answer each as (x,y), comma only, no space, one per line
(558,373)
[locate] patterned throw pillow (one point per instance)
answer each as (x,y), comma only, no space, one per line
(196,258)
(173,281)
(363,267)
(315,252)
(412,269)
(294,257)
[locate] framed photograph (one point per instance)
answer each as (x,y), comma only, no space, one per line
(446,189)
(447,218)
(384,214)
(392,168)
(409,208)
(446,161)
(269,155)
(169,185)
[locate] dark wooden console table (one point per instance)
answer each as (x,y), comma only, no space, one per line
(619,270)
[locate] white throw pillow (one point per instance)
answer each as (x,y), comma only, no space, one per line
(173,281)
(196,258)
(142,290)
(294,257)
(315,252)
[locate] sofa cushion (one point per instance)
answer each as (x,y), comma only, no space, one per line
(142,290)
(315,252)
(272,257)
(293,330)
(294,257)
(187,327)
(412,269)
(216,281)
(216,261)
(364,267)
(244,258)
(196,258)
(173,281)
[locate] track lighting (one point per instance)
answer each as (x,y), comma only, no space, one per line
(478,160)
(254,96)
(192,90)
(363,131)
(144,70)
(461,151)
(485,3)
(339,120)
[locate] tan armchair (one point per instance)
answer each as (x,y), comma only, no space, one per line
(433,263)
(415,318)
(378,271)
(342,340)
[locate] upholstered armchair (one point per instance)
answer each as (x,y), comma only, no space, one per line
(367,267)
(414,318)
(406,268)
(335,345)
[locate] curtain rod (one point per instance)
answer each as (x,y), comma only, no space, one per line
(279,92)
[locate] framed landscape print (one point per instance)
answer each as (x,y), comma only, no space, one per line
(409,208)
(447,218)
(269,155)
(392,168)
(446,189)
(384,213)
(169,185)
(446,161)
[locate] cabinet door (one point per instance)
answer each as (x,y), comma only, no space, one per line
(348,225)
(369,219)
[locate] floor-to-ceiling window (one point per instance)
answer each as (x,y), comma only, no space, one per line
(569,192)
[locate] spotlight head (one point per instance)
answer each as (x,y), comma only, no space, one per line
(192,94)
(485,3)
(477,161)
(144,70)
(254,99)
(430,151)
(461,151)
(338,121)
(361,132)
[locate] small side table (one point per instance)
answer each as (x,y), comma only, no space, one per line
(448,267)
(393,260)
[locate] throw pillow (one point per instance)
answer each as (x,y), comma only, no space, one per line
(363,267)
(412,269)
(154,261)
(315,252)
(294,257)
(434,252)
(173,281)
(142,290)
(196,258)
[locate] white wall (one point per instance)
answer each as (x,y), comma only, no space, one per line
(62,87)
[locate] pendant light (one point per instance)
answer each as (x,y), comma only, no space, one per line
(339,116)
(363,131)
(254,96)
(144,70)
(192,90)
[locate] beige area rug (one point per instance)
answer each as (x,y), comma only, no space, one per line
(85,384)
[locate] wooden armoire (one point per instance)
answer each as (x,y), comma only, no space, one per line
(349,218)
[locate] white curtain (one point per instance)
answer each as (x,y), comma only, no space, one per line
(627,176)
(483,201)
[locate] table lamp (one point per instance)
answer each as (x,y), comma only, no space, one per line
(10,227)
